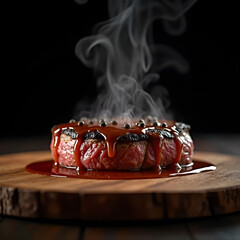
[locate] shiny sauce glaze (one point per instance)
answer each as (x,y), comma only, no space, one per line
(156,133)
(112,132)
(50,169)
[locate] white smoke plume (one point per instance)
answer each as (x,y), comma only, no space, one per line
(126,60)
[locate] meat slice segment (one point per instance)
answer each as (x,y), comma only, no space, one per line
(129,156)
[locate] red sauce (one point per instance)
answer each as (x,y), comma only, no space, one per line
(50,169)
(77,153)
(111,133)
(56,137)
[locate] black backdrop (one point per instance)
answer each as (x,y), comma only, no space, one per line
(42,80)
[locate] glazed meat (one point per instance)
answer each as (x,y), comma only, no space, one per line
(142,147)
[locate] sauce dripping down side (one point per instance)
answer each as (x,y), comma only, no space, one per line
(77,153)
(157,142)
(179,146)
(56,142)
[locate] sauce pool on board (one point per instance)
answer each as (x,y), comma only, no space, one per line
(50,169)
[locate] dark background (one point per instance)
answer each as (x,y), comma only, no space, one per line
(42,79)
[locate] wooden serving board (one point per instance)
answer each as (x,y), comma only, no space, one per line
(25,194)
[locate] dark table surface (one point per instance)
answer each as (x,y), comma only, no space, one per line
(217,227)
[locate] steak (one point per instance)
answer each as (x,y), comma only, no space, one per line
(122,147)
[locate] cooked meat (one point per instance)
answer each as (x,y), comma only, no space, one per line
(139,148)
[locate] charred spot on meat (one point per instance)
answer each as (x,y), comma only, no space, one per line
(164,133)
(70,132)
(133,137)
(93,135)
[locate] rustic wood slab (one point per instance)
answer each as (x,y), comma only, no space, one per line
(24,194)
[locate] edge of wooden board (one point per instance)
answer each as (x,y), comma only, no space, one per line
(132,204)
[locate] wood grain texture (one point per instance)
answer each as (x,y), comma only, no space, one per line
(37,196)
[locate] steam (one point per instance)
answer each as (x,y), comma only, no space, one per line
(126,60)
